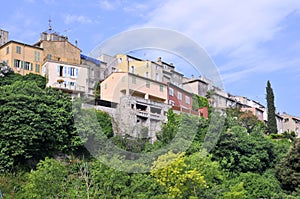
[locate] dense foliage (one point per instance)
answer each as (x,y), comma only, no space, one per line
(36,125)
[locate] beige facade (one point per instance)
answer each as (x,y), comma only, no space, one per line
(120,84)
(58,48)
(66,77)
(291,124)
(22,58)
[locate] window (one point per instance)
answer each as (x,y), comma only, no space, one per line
(171,91)
(179,96)
(147,74)
(187,99)
(17,63)
(105,86)
(27,66)
(133,80)
(36,56)
(132,69)
(18,49)
(171,102)
(157,77)
(37,68)
(72,72)
(147,84)
(120,60)
(71,83)
(60,71)
(161,88)
(7,50)
(49,56)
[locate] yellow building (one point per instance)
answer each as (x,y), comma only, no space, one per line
(120,84)
(144,68)
(22,58)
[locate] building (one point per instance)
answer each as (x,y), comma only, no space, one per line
(119,84)
(142,103)
(58,48)
(198,86)
(66,77)
(291,123)
(3,37)
(158,71)
(95,69)
(179,99)
(21,57)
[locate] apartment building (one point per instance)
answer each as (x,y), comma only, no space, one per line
(66,77)
(95,73)
(58,48)
(291,124)
(142,103)
(21,57)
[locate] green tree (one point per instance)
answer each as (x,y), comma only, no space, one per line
(34,123)
(169,129)
(181,181)
(199,102)
(287,170)
(48,181)
(97,91)
(271,123)
(239,151)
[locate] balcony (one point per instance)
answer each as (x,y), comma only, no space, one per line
(68,88)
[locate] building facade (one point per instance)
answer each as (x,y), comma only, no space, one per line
(22,58)
(3,37)
(291,124)
(66,77)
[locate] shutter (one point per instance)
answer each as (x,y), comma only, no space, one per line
(57,70)
(76,74)
(64,71)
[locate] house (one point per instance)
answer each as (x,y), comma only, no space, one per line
(22,58)
(69,78)
(142,103)
(57,48)
(95,73)
(291,123)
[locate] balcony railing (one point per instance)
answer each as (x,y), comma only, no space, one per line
(75,88)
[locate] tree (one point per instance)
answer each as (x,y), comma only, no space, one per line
(271,123)
(239,151)
(97,91)
(172,171)
(169,130)
(288,169)
(34,123)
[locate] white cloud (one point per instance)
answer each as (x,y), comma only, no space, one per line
(109,5)
(69,19)
(236,30)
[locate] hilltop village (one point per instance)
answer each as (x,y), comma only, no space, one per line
(137,93)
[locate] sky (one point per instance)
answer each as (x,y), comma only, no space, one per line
(250,42)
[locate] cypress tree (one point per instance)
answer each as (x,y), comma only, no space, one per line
(271,123)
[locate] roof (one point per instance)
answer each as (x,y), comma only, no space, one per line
(195,80)
(96,61)
(20,43)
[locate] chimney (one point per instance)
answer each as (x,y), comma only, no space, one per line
(192,77)
(159,59)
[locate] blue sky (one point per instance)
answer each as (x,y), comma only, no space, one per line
(250,42)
